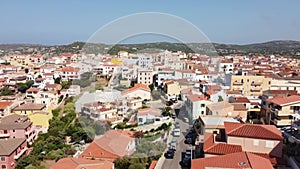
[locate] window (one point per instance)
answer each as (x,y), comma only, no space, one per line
(14,130)
(3,166)
(202,105)
(2,158)
(269,144)
(256,142)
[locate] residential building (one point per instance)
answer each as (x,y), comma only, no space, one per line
(70,73)
(5,108)
(145,76)
(239,160)
(11,150)
(265,139)
(210,124)
(171,89)
(80,163)
(250,85)
(148,115)
(29,108)
(112,145)
(139,90)
(17,126)
(281,110)
(196,106)
(100,111)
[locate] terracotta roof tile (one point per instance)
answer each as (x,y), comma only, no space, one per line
(281,100)
(5,104)
(78,163)
(137,86)
(233,160)
(253,131)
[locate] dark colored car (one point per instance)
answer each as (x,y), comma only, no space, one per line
(186,162)
(188,140)
(170,153)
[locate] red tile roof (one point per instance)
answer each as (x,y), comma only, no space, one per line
(197,97)
(113,144)
(77,163)
(70,69)
(137,86)
(269,132)
(4,105)
(233,160)
(242,100)
(280,100)
(210,147)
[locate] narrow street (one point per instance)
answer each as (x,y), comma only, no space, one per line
(181,146)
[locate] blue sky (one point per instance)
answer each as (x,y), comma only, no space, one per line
(230,21)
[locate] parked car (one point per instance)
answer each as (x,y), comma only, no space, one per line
(188,141)
(176,132)
(186,162)
(177,125)
(170,153)
(173,145)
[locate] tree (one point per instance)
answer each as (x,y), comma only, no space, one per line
(122,163)
(98,129)
(137,166)
(151,86)
(5,91)
(220,99)
(57,80)
(65,84)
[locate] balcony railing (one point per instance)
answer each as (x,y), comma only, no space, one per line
(4,135)
(237,83)
(20,153)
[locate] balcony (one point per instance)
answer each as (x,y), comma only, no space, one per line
(20,153)
(256,83)
(3,135)
(255,89)
(237,83)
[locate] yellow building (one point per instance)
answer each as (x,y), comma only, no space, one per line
(171,88)
(280,109)
(250,85)
(36,113)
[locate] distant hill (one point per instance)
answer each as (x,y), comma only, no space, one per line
(282,47)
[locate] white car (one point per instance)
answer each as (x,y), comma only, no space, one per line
(176,132)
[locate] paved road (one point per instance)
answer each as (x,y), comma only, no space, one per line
(181,147)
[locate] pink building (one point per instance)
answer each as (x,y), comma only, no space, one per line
(10,151)
(17,126)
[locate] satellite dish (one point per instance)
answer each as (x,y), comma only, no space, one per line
(229,113)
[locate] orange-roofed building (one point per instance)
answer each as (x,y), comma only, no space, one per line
(281,108)
(70,73)
(5,108)
(139,90)
(266,139)
(234,160)
(213,148)
(110,146)
(79,163)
